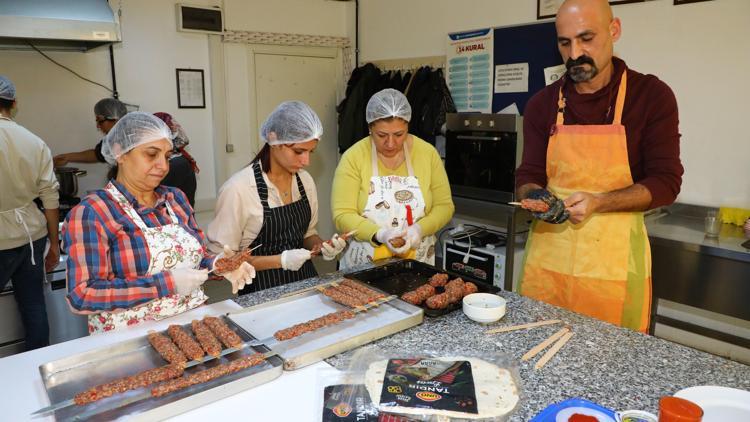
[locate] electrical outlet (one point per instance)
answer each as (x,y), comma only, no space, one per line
(230,147)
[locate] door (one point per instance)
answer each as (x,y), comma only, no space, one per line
(310,77)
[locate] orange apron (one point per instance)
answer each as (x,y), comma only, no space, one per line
(602,266)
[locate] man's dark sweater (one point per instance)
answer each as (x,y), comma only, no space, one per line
(651,125)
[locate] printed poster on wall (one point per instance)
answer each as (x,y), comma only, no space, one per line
(470,64)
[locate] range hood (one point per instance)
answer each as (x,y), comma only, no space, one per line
(77,25)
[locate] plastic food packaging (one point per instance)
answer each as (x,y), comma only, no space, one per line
(575,409)
(433,386)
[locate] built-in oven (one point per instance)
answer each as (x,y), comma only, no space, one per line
(482,152)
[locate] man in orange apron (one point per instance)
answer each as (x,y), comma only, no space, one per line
(605,149)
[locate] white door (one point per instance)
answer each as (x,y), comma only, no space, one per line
(312,78)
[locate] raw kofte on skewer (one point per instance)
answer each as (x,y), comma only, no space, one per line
(185,342)
(312,325)
(133,382)
(222,331)
(206,338)
(168,350)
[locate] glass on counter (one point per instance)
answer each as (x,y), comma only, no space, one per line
(712,224)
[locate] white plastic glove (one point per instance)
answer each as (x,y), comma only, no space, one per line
(384,236)
(240,276)
(413,235)
(187,279)
(332,249)
(293,259)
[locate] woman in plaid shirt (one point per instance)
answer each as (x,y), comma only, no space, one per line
(135,252)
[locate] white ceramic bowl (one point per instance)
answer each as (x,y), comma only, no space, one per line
(484,307)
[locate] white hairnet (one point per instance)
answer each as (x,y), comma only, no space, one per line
(387,103)
(291,122)
(110,108)
(131,130)
(7,89)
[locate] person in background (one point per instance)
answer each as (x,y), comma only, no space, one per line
(26,172)
(135,252)
(391,187)
(107,112)
(272,204)
(601,145)
(182,166)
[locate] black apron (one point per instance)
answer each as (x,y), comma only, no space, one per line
(283,228)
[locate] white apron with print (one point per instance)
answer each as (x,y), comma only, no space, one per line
(170,247)
(386,207)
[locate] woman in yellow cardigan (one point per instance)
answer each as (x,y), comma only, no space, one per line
(391,187)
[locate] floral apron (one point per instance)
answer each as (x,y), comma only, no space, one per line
(170,247)
(386,207)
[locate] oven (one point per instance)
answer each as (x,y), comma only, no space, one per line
(482,152)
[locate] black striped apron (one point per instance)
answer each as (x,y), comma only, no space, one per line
(283,228)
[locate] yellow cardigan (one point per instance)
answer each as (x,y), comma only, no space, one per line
(351,184)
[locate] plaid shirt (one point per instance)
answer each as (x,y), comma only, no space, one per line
(108,257)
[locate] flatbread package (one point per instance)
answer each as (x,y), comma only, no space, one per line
(432,387)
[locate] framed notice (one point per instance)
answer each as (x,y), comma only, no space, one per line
(547,8)
(191,92)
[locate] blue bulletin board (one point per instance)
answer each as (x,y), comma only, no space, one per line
(535,44)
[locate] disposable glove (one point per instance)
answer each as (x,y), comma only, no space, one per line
(385,236)
(188,279)
(414,235)
(293,259)
(238,277)
(556,214)
(330,249)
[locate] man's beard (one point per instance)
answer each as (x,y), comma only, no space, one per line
(577,72)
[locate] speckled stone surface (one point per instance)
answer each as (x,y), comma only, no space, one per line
(614,367)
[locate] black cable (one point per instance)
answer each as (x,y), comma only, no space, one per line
(67,68)
(115,94)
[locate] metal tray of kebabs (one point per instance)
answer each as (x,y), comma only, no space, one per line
(64,378)
(389,315)
(406,275)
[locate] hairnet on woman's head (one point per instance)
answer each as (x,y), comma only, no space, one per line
(133,129)
(388,103)
(110,108)
(291,122)
(7,89)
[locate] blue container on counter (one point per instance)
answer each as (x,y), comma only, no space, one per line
(561,412)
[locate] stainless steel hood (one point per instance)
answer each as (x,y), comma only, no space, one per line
(57,24)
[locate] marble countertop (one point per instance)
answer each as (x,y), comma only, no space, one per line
(614,367)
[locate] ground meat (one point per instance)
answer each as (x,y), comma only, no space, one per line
(439,301)
(222,331)
(206,338)
(224,265)
(312,325)
(397,242)
(185,342)
(164,346)
(470,288)
(455,290)
(362,297)
(207,375)
(370,292)
(534,205)
(121,385)
(425,291)
(438,280)
(341,297)
(412,297)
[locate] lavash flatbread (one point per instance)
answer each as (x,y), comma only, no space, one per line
(496,392)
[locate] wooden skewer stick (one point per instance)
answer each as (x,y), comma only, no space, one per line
(522,326)
(316,287)
(514,203)
(554,349)
(543,345)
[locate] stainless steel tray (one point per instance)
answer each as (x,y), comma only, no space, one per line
(263,320)
(66,377)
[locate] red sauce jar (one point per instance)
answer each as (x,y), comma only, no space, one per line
(675,409)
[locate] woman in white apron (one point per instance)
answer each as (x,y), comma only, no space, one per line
(135,252)
(391,187)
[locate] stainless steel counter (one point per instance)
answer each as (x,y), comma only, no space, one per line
(699,271)
(682,225)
